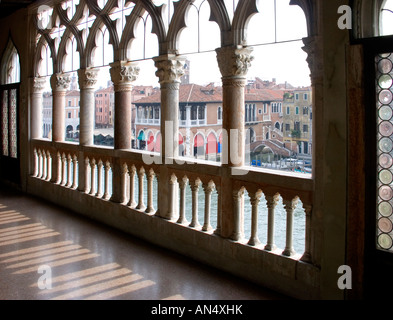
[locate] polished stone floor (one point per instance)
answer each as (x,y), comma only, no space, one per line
(83,259)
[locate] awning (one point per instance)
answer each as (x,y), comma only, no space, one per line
(142,136)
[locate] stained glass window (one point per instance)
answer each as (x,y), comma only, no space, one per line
(384,86)
(13,136)
(4,122)
(9,123)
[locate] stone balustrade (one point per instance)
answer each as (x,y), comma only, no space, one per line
(58,163)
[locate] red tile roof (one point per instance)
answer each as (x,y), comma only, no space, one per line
(196,93)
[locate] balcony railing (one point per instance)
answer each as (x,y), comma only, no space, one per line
(147,121)
(89,172)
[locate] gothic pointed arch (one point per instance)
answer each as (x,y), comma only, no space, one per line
(39,59)
(102,21)
(10,66)
(178,23)
(71,32)
(129,30)
(244,11)
(309,8)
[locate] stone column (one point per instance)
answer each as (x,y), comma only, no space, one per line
(87,82)
(313,46)
(122,75)
(169,71)
(38,85)
(188,151)
(59,83)
(233,63)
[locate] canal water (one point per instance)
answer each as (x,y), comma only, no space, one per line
(280,215)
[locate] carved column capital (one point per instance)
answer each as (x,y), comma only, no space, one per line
(183,182)
(208,188)
(234,62)
(87,78)
(170,68)
(123,74)
(313,48)
(38,84)
(290,204)
(60,82)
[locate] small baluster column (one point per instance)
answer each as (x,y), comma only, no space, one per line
(107,169)
(92,177)
(307,246)
(237,210)
(132,172)
(172,183)
(271,203)
(123,184)
(150,179)
(194,192)
(44,167)
(75,172)
(219,210)
(208,189)
(48,166)
(254,199)
(182,214)
(86,175)
(63,170)
(99,178)
(56,167)
(69,171)
(290,206)
(40,166)
(36,162)
(141,175)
